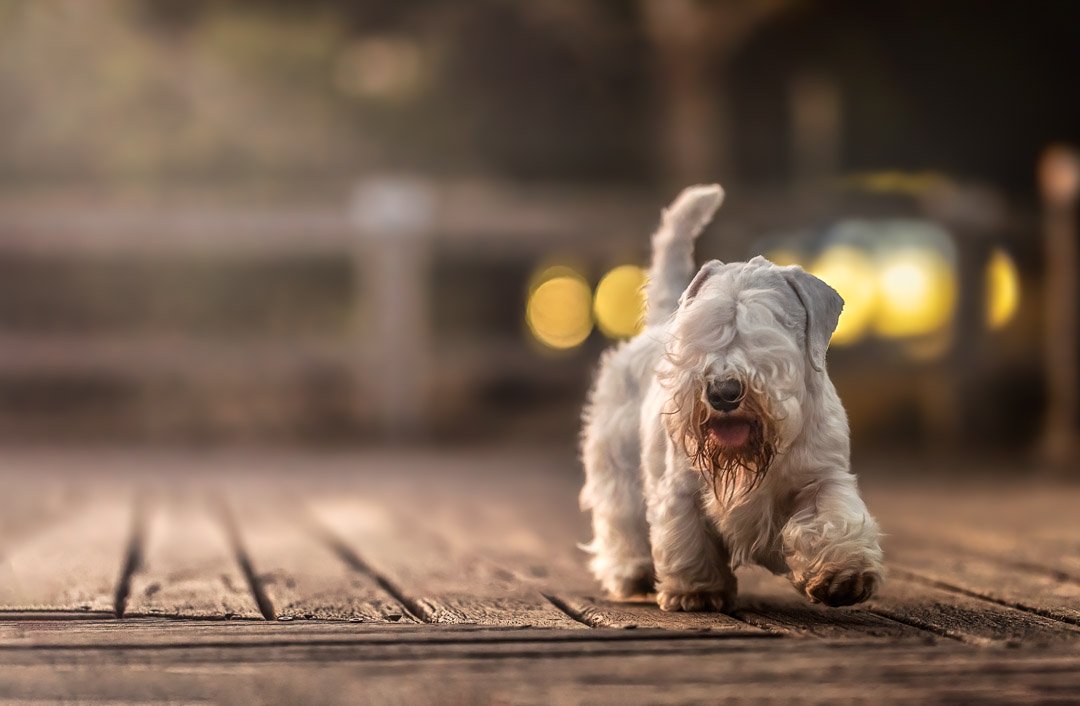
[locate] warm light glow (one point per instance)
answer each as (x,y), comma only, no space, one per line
(851,273)
(619,304)
(1059,174)
(1002,289)
(913,183)
(558,311)
(917,293)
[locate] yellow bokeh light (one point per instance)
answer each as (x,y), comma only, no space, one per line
(619,304)
(851,273)
(558,312)
(914,183)
(917,293)
(1002,289)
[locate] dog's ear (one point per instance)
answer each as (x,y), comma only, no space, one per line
(707,270)
(823,306)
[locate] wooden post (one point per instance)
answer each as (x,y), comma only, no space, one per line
(815,128)
(1059,183)
(694,43)
(693,138)
(973,213)
(393,219)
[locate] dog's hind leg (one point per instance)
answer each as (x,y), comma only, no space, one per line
(610,449)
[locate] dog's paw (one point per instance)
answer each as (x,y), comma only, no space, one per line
(627,586)
(846,586)
(693,601)
(623,578)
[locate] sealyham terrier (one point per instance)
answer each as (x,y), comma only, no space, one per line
(715,438)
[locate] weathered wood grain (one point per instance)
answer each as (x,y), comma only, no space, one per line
(965,618)
(1034,525)
(546,555)
(984,578)
(1038,513)
(74,565)
(541,544)
(299,574)
(467,549)
(188,567)
(729,670)
(771,603)
(439,582)
(1048,551)
(97,632)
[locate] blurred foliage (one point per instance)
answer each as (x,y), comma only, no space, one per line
(205,90)
(123,89)
(90,92)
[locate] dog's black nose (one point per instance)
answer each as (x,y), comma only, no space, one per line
(725,396)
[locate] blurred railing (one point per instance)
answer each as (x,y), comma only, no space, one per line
(399,258)
(396,366)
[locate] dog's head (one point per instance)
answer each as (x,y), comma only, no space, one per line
(748,345)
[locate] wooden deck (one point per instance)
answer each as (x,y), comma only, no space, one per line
(454,577)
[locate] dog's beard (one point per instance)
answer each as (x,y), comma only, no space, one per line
(730,468)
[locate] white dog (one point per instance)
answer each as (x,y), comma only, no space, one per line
(716,439)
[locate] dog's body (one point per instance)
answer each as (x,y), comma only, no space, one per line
(716,439)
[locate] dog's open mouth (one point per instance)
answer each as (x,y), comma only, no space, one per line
(730,432)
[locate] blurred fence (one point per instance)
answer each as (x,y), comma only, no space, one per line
(208,320)
(396,309)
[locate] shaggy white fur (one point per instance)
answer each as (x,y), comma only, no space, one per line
(683,486)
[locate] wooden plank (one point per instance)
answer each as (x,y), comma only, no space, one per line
(546,554)
(72,566)
(31,503)
(1052,552)
(518,682)
(905,609)
(538,542)
(299,574)
(163,636)
(728,670)
(1030,526)
(439,582)
(525,537)
(1040,593)
(642,612)
(965,618)
(188,567)
(135,633)
(1003,566)
(771,603)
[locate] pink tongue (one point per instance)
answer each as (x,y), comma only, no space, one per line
(733,434)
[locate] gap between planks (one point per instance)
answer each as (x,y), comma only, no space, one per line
(999,623)
(352,559)
(236,542)
(298,571)
(914,575)
(132,554)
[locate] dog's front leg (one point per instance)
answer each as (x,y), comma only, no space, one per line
(693,569)
(832,544)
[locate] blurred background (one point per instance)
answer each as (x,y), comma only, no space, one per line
(335,224)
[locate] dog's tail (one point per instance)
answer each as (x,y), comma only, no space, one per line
(673,248)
